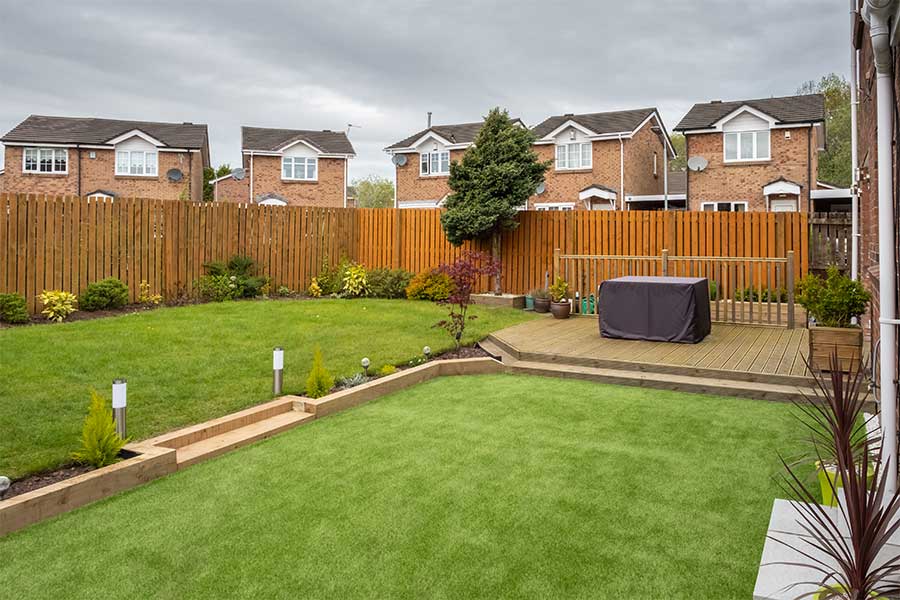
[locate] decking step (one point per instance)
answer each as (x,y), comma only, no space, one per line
(242,436)
(666,381)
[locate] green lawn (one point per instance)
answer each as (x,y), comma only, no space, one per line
(468,487)
(186,365)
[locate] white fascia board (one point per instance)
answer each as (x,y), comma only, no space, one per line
(655,116)
(655,198)
(222,178)
(178,150)
(414,150)
(792,125)
(309,145)
(693,131)
(430,135)
(569,123)
(781,187)
(259,152)
(135,133)
(595,192)
(718,125)
(419,204)
(39,145)
(828,194)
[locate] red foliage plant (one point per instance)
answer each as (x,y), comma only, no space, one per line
(464,272)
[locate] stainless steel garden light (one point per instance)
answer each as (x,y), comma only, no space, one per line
(119,391)
(277,369)
(365,365)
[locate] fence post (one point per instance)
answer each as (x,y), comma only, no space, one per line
(789,276)
(398,238)
(555,264)
(665,262)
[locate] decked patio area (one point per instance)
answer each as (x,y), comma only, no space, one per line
(740,360)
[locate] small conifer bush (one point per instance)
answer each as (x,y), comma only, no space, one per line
(320,381)
(100,444)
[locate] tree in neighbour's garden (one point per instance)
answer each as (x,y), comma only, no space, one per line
(834,163)
(464,272)
(374,192)
(679,163)
(208,175)
(496,176)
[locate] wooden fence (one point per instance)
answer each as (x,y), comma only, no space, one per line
(66,242)
(829,240)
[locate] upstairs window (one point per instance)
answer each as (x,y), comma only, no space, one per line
(45,160)
(747,145)
(136,162)
(299,168)
(434,163)
(573,156)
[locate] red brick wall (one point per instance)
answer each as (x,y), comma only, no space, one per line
(722,181)
(233,190)
(99,173)
(412,186)
(564,185)
(327,191)
(639,151)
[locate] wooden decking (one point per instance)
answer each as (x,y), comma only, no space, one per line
(743,352)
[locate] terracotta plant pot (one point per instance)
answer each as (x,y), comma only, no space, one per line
(560,310)
(541,305)
(824,340)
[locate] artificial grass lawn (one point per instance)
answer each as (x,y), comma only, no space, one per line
(493,486)
(189,364)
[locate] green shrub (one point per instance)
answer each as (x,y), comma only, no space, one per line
(146,297)
(100,444)
(104,294)
(542,293)
(284,290)
(713,290)
(13,309)
(331,278)
(320,381)
(387,370)
(559,291)
(58,304)
(430,285)
(388,283)
(354,283)
(832,301)
(767,295)
(236,278)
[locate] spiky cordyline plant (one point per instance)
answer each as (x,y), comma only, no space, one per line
(849,570)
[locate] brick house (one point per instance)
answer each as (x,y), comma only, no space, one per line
(591,155)
(105,157)
(753,155)
(291,167)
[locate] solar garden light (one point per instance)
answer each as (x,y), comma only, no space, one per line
(277,369)
(427,352)
(5,484)
(365,364)
(119,388)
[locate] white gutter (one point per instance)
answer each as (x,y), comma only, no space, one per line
(665,178)
(622,172)
(346,171)
(879,13)
(854,156)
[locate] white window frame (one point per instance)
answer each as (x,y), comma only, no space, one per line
(53,155)
(131,154)
(305,161)
(733,203)
(427,160)
(738,134)
(549,206)
(581,164)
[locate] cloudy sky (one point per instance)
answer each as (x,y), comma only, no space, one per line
(383,64)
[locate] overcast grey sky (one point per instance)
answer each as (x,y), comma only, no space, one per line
(383,64)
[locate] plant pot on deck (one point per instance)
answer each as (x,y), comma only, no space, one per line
(560,310)
(848,341)
(541,305)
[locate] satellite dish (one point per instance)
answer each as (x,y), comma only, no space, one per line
(399,160)
(238,174)
(175,175)
(541,188)
(697,163)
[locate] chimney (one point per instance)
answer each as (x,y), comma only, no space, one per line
(429,119)
(715,102)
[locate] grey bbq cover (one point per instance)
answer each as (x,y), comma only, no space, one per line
(661,309)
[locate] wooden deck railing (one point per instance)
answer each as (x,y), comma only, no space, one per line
(755,290)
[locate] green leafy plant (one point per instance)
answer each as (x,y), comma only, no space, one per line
(314,289)
(58,304)
(331,278)
(353,380)
(354,284)
(388,283)
(430,285)
(833,301)
(218,288)
(542,293)
(319,381)
(236,278)
(13,309)
(559,291)
(713,290)
(109,293)
(146,297)
(100,444)
(387,370)
(284,290)
(764,295)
